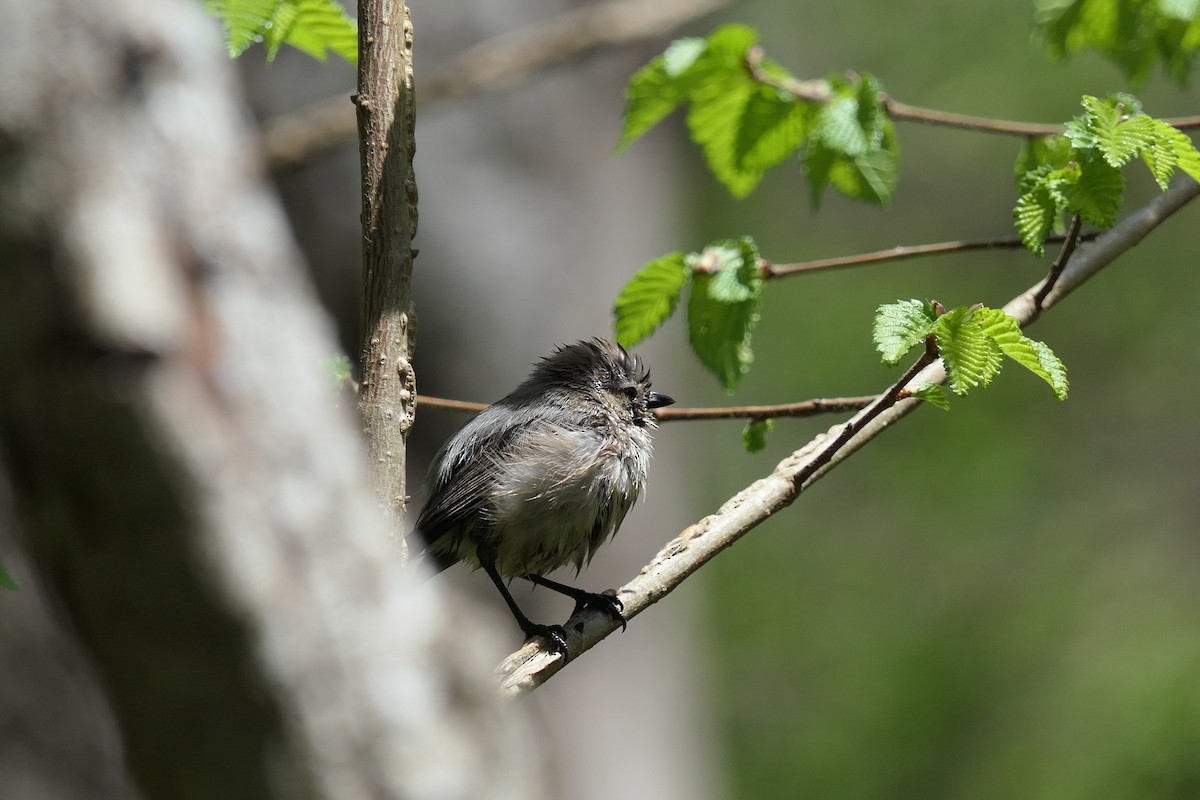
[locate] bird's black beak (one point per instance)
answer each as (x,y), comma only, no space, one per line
(658,400)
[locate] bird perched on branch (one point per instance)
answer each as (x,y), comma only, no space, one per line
(542,478)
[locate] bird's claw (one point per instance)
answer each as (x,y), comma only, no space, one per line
(606,603)
(555,636)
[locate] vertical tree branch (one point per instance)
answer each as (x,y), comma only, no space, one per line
(386,103)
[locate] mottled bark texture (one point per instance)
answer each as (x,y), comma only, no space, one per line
(184,486)
(388,393)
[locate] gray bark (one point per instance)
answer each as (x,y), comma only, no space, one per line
(189,494)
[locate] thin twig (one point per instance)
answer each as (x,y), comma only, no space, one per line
(303,134)
(532,665)
(818,91)
(808,408)
(903,252)
(903,111)
(1056,268)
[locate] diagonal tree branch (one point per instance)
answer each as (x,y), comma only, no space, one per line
(532,665)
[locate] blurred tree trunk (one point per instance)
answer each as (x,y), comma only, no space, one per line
(181,478)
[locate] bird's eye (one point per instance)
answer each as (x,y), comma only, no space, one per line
(630,392)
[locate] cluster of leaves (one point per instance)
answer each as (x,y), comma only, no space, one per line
(724,282)
(973,343)
(1134,34)
(312,26)
(748,114)
(1079,171)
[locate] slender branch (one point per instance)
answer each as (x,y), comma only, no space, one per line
(808,408)
(904,252)
(296,137)
(531,666)
(817,91)
(1056,268)
(903,111)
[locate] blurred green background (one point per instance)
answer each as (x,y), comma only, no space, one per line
(998,602)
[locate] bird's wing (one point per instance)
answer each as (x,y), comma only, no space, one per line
(464,471)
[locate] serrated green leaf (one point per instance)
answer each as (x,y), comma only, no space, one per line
(1033,355)
(713,121)
(6,580)
(318,28)
(870,177)
(1161,157)
(653,93)
(933,394)
(1051,152)
(901,326)
(314,27)
(1097,193)
(649,299)
(772,128)
(1050,368)
(1187,158)
(853,145)
(837,125)
(1127,140)
(1034,215)
(671,78)
(723,309)
(971,357)
(243,20)
(754,435)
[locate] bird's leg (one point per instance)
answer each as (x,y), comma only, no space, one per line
(608,603)
(554,634)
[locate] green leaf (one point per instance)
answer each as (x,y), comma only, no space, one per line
(933,394)
(1134,34)
(1053,151)
(723,308)
(659,88)
(1033,355)
(714,120)
(838,126)
(870,177)
(901,326)
(6,580)
(754,435)
(853,145)
(686,67)
(243,20)
(1161,158)
(313,26)
(1034,215)
(649,299)
(1187,158)
(1121,132)
(971,357)
(772,128)
(1097,193)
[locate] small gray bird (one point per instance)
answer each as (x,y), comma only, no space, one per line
(545,476)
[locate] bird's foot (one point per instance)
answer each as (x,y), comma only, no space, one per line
(606,602)
(554,635)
